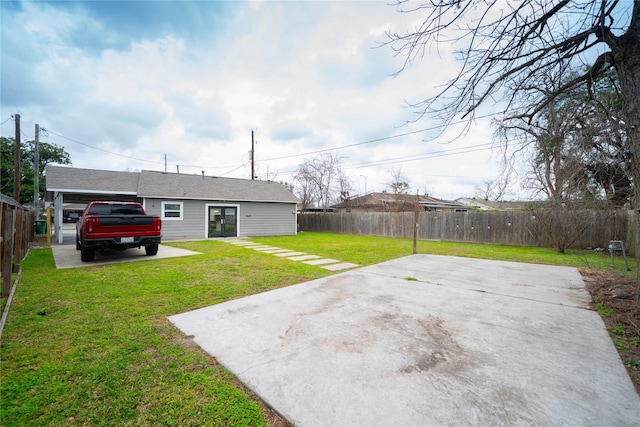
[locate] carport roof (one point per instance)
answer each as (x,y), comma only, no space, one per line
(93,181)
(164,185)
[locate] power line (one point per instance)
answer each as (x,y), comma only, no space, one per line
(24,134)
(130,157)
(386,138)
(99,149)
(423,156)
(348,146)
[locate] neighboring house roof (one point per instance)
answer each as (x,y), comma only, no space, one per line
(487,205)
(433,203)
(374,199)
(164,185)
(379,199)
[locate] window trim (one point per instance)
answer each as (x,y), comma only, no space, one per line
(172,218)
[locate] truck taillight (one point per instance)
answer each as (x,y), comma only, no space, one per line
(158,225)
(90,225)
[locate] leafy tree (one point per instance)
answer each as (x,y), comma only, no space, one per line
(49,153)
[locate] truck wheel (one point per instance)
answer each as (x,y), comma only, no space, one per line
(87,255)
(151,249)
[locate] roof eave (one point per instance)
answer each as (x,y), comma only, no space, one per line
(214,199)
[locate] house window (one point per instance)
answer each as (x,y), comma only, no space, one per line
(172,211)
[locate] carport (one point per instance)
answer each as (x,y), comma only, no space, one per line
(85,186)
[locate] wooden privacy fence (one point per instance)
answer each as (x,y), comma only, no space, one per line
(16,231)
(518,228)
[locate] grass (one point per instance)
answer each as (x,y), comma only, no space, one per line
(93,346)
(621,340)
(365,250)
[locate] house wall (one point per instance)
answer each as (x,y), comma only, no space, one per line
(268,219)
(254,218)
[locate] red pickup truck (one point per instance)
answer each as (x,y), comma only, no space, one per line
(117,225)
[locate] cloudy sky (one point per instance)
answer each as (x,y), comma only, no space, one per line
(125,85)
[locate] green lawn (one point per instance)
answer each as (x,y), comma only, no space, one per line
(365,250)
(92,346)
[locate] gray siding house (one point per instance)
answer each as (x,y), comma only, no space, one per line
(191,206)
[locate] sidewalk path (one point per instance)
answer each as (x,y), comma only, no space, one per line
(326,263)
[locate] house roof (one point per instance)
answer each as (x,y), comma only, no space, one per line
(171,185)
(164,185)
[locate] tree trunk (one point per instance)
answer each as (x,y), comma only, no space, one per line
(626,57)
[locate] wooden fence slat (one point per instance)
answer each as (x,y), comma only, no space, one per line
(16,231)
(7,250)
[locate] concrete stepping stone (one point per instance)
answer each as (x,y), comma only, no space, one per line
(321,261)
(326,263)
(341,266)
(304,257)
(288,254)
(237,241)
(276,251)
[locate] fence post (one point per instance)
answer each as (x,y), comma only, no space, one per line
(18,239)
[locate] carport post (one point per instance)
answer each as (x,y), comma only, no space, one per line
(48,225)
(57,216)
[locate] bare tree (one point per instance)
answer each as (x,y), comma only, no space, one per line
(399,183)
(563,222)
(496,189)
(576,145)
(304,189)
(555,166)
(320,180)
(266,173)
(344,186)
(506,46)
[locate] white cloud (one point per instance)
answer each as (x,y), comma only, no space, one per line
(306,76)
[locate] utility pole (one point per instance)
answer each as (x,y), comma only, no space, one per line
(253,174)
(36,178)
(16,163)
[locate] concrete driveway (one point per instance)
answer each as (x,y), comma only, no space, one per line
(425,341)
(65,255)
